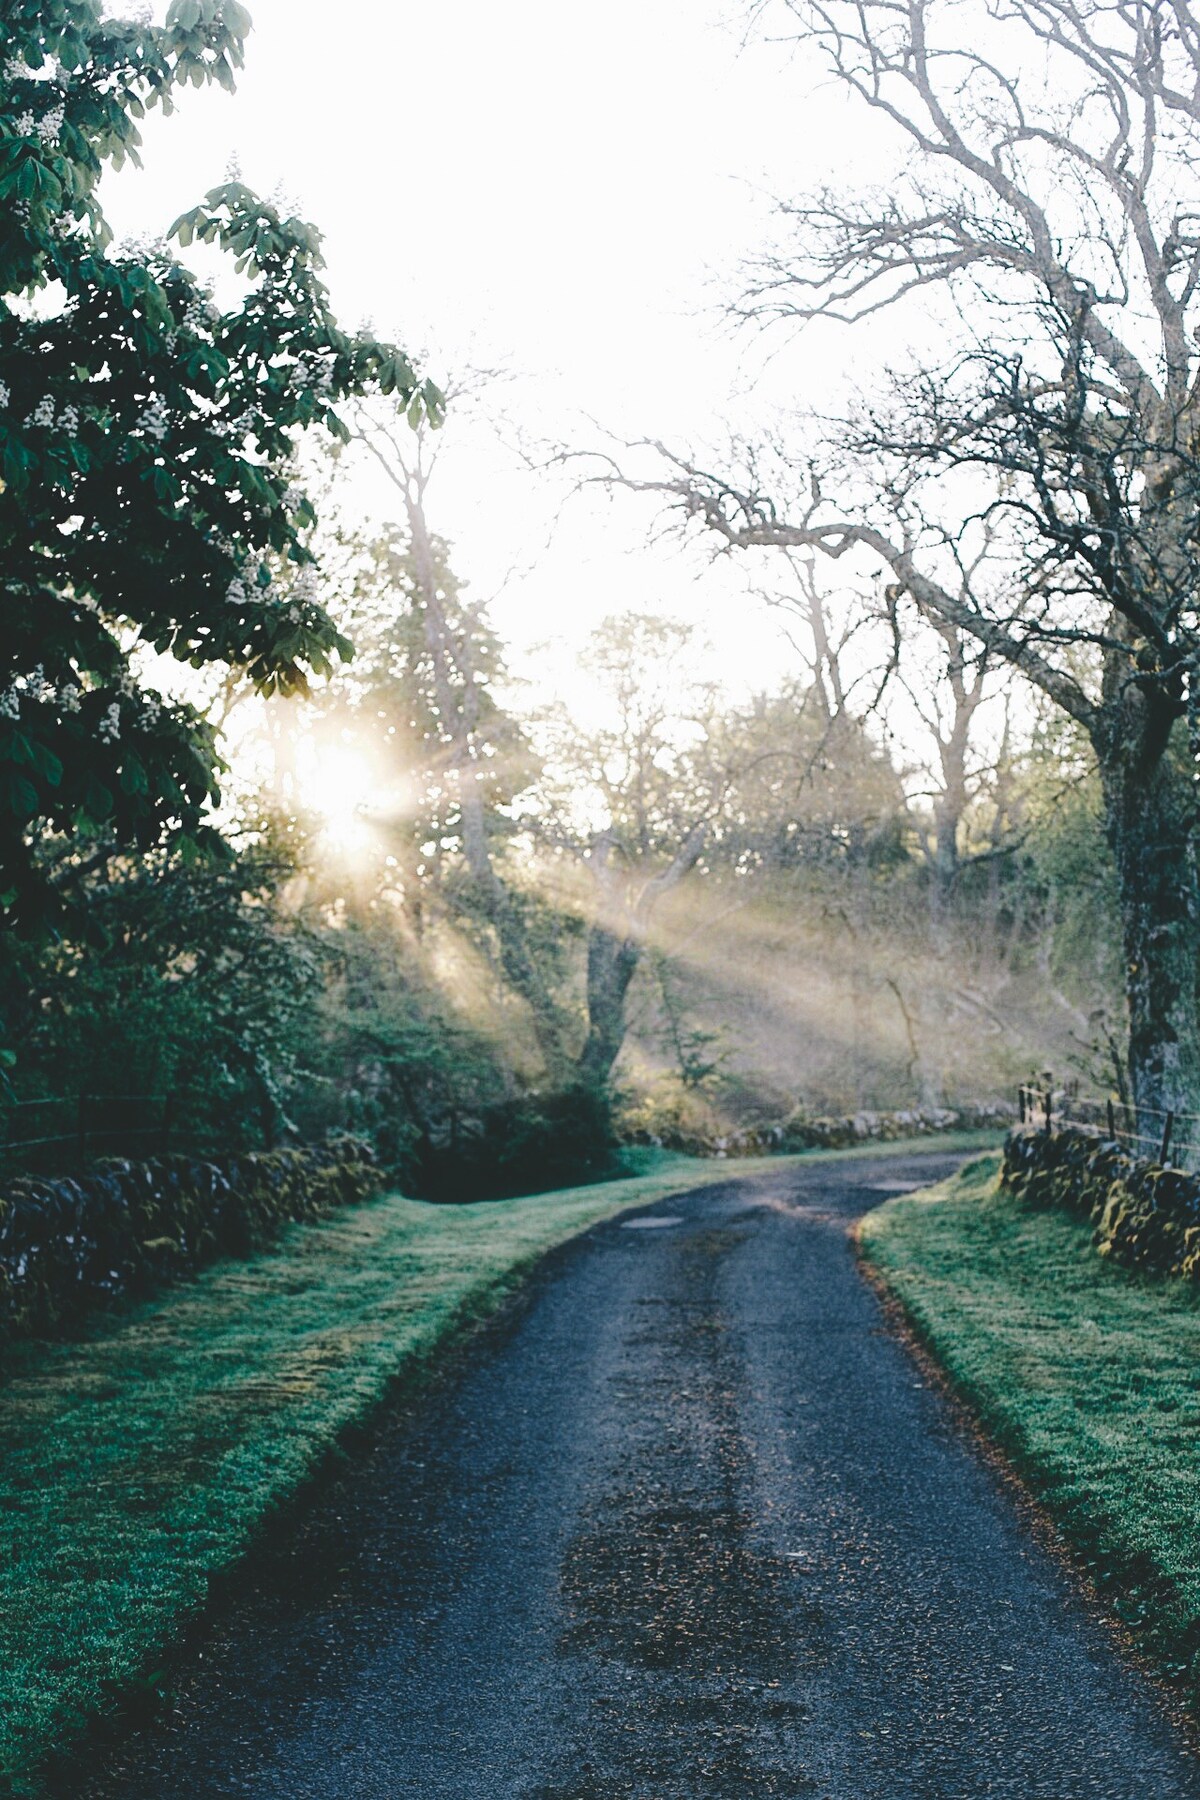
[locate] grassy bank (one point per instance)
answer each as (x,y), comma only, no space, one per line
(1087,1376)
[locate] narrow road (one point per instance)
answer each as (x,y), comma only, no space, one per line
(692,1528)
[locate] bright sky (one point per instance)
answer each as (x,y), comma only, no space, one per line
(562,191)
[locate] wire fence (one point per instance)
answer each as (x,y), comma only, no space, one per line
(64,1131)
(1152,1133)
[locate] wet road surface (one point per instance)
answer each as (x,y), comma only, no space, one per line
(693,1527)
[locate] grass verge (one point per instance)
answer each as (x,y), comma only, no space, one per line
(1086,1376)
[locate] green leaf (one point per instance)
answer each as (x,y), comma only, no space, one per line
(98,800)
(133,776)
(237,19)
(22,797)
(49,765)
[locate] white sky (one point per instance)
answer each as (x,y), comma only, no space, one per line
(563,191)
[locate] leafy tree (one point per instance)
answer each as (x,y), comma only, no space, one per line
(387,1054)
(145,440)
(435,664)
(423,691)
(176,975)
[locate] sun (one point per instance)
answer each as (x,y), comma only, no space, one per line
(340,787)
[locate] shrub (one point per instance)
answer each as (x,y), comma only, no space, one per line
(71,1244)
(521,1146)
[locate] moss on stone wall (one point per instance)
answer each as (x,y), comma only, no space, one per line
(1143,1216)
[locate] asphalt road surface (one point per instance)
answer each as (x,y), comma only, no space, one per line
(691,1527)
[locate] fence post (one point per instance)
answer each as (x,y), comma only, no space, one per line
(81,1127)
(1166,1137)
(1049,1111)
(1021,1101)
(1112,1122)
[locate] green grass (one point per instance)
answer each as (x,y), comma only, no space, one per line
(1087,1376)
(142,1461)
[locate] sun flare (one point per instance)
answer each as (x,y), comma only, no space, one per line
(340,787)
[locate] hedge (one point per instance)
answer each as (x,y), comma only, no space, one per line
(71,1244)
(519,1146)
(1144,1216)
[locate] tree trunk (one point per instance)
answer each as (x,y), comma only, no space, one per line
(945,862)
(1149,815)
(612,962)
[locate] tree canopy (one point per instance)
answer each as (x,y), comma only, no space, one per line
(146,436)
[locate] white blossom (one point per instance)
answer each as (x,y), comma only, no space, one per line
(304,375)
(109,727)
(25,125)
(51,124)
(5,396)
(10,704)
(69,698)
(155,420)
(68,421)
(196,316)
(142,247)
(43,413)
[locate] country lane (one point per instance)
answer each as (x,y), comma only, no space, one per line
(691,1525)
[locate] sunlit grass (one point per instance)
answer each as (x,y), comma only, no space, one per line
(1088,1376)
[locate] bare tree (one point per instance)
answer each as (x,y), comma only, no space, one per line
(1046,199)
(652,790)
(824,651)
(948,717)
